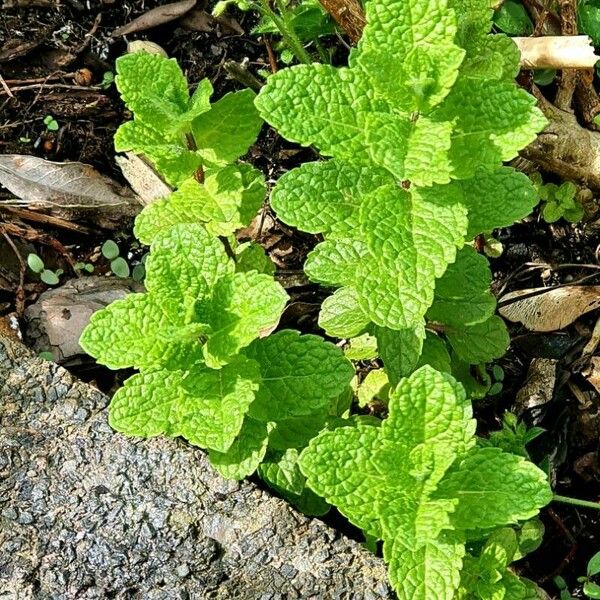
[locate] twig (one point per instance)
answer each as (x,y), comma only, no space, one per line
(20,293)
(348,14)
(556,52)
(5,87)
(29,215)
(53,86)
(568,80)
(270,54)
(240,73)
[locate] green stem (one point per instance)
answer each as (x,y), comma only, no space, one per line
(324,56)
(285,28)
(576,502)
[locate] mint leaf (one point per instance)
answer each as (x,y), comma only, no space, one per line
(135,332)
(341,314)
(235,318)
(246,452)
(171,156)
(152,87)
(205,406)
(462,294)
(229,128)
(301,375)
(399,350)
(492,488)
(227,200)
(251,256)
(185,263)
(481,342)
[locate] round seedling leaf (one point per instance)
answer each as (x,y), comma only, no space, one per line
(49,277)
(89,267)
(139,272)
(110,250)
(46,355)
(591,589)
(120,267)
(593,567)
(36,264)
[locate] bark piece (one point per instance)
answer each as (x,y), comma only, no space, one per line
(88,513)
(556,52)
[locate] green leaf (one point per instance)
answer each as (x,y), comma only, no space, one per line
(110,250)
(341,314)
(49,277)
(363,347)
(591,589)
(229,128)
(399,350)
(135,332)
(171,157)
(301,374)
(494,488)
(435,354)
(593,566)
(479,343)
(153,88)
(185,263)
(246,452)
(462,295)
(251,256)
(120,267)
(588,15)
(36,264)
(319,196)
(235,318)
(512,18)
(374,385)
(227,200)
(205,406)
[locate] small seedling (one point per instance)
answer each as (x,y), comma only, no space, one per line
(46,355)
(559,201)
(107,80)
(590,588)
(50,123)
(563,588)
(118,265)
(24,140)
(87,267)
(36,264)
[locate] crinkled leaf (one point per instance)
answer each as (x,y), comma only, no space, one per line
(229,128)
(462,295)
(481,342)
(246,452)
(399,350)
(341,314)
(184,264)
(494,488)
(300,374)
(251,256)
(205,406)
(319,196)
(227,200)
(135,332)
(241,308)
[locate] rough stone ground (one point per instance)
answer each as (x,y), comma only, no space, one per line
(87,513)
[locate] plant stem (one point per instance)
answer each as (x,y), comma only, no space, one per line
(287,31)
(576,502)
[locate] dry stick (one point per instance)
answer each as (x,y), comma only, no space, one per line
(348,14)
(556,52)
(568,79)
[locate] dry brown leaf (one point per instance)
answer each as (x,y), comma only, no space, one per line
(549,310)
(156,16)
(593,376)
(539,385)
(70,187)
(142,178)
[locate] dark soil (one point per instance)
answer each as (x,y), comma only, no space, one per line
(42,46)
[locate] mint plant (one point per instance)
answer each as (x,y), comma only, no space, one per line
(207,371)
(418,135)
(559,200)
(419,482)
